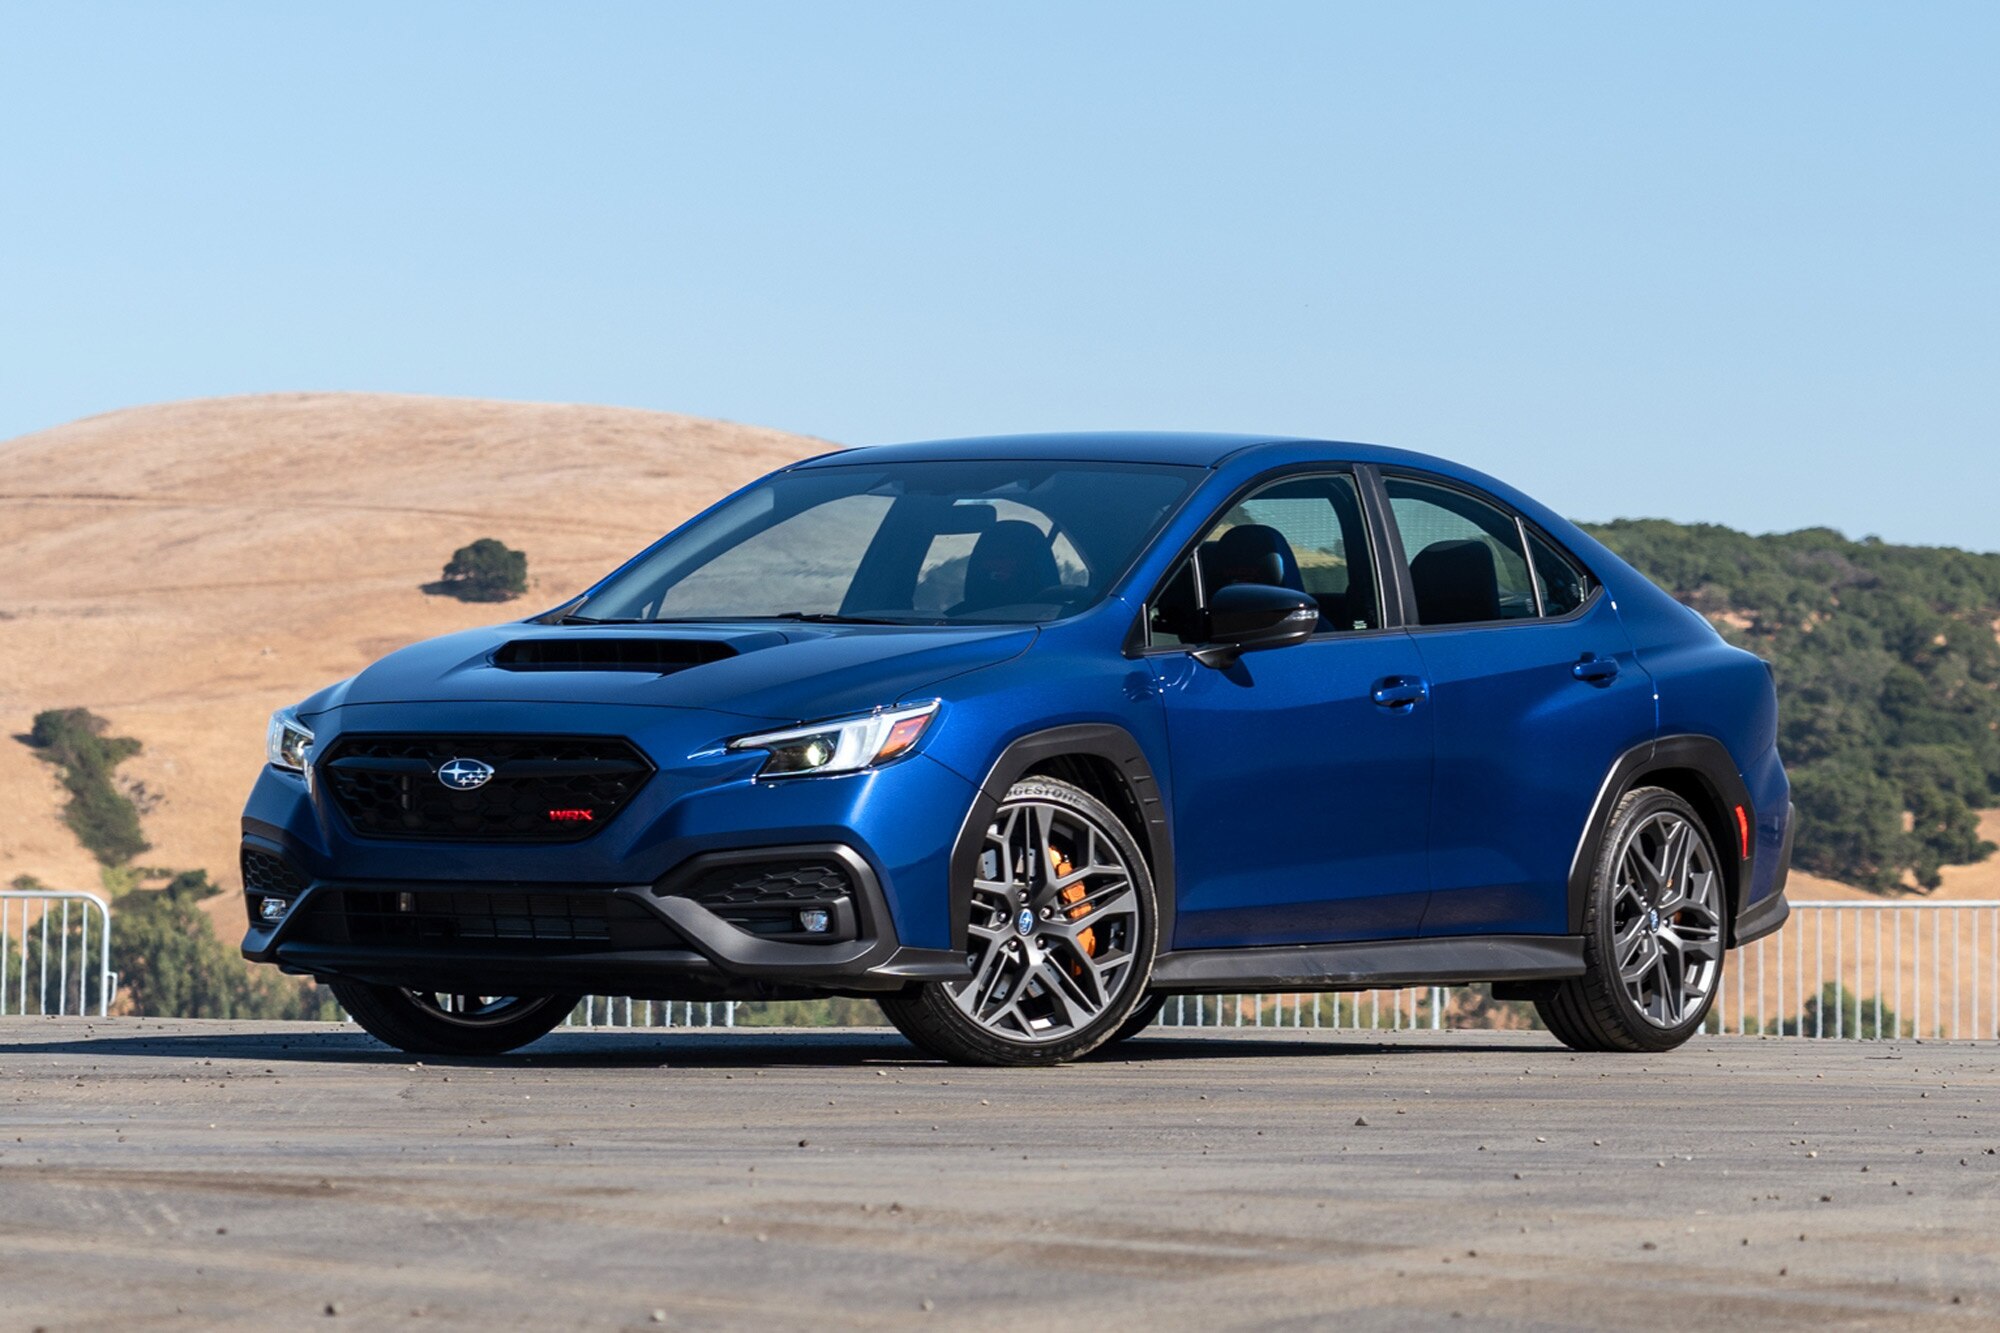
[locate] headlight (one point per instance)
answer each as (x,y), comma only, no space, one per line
(286,743)
(846,745)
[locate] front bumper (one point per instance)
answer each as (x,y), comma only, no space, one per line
(673,947)
(891,827)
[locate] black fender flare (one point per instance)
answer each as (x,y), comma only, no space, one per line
(1102,741)
(1712,764)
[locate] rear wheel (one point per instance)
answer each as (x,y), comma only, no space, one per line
(435,1023)
(1060,937)
(1652,933)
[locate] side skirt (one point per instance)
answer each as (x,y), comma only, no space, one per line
(1370,965)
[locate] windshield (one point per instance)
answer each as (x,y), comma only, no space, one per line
(906,543)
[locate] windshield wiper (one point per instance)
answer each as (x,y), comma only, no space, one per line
(825,618)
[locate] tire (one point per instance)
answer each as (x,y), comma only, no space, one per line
(420,1024)
(1142,1018)
(1653,933)
(1071,981)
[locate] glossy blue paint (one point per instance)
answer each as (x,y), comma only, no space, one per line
(1523,747)
(1302,806)
(1296,808)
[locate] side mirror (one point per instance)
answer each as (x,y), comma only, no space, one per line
(1250,617)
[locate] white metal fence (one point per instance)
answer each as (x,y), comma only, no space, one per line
(1866,969)
(1870,970)
(51,959)
(621,1011)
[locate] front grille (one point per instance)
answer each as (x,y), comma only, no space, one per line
(766,897)
(264,872)
(543,789)
(553,921)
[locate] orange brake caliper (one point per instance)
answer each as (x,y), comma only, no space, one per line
(1086,939)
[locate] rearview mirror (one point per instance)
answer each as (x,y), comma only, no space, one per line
(1250,617)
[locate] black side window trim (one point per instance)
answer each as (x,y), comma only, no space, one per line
(1140,640)
(1522,528)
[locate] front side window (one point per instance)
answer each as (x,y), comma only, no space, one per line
(1302,533)
(974,541)
(1467,564)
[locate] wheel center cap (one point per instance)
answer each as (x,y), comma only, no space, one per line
(1653,920)
(1025,922)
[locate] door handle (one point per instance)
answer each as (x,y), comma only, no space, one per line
(1597,670)
(1404,692)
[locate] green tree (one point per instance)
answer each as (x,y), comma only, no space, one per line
(486,571)
(1888,675)
(1839,1011)
(171,964)
(104,820)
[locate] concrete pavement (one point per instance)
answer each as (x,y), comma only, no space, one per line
(193,1175)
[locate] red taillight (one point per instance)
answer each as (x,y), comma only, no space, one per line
(570,816)
(1743,832)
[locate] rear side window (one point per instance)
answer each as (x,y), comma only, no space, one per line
(1564,585)
(1467,563)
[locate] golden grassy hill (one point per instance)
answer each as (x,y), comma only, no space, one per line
(183,569)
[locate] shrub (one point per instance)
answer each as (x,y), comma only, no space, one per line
(104,820)
(1837,1010)
(486,571)
(171,964)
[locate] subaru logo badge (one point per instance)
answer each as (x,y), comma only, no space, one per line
(1025,922)
(465,774)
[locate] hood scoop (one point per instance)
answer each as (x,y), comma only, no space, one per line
(654,656)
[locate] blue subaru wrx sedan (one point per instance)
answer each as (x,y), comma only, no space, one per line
(1019,737)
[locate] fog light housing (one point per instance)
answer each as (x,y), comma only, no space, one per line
(816,921)
(272,910)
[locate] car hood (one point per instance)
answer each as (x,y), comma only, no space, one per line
(780,673)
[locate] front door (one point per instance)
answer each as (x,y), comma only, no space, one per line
(1301,775)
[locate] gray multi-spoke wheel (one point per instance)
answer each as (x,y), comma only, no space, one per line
(1059,937)
(1653,932)
(441,1023)
(476,1011)
(1666,918)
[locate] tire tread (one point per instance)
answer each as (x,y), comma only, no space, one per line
(390,1016)
(927,1015)
(1589,1013)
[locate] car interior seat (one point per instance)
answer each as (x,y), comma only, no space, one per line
(1010,563)
(1456,583)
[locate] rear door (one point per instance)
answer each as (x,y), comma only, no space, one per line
(1535,690)
(1301,775)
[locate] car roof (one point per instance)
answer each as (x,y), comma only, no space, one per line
(1183,448)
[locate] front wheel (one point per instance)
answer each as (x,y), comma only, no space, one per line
(434,1023)
(1142,1018)
(1652,933)
(1060,937)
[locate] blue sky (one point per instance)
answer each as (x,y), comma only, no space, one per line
(1736,263)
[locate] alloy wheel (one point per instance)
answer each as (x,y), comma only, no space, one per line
(476,1011)
(1055,916)
(1666,919)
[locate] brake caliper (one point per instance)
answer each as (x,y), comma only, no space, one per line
(1086,939)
